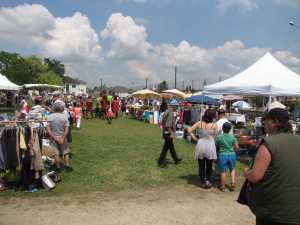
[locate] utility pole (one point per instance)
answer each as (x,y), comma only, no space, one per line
(146,82)
(192,85)
(175,77)
(183,85)
(101,84)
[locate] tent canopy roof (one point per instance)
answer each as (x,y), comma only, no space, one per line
(42,86)
(6,84)
(266,77)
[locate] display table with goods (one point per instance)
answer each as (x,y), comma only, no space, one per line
(144,114)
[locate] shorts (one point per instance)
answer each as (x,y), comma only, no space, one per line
(226,162)
(60,149)
(49,151)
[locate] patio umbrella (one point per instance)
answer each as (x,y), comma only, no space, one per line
(241,105)
(274,105)
(202,99)
(146,93)
(173,93)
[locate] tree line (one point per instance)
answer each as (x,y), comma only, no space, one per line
(32,69)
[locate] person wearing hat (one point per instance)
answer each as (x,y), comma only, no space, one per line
(227,143)
(168,129)
(274,176)
(57,129)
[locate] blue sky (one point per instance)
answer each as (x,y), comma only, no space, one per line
(127,41)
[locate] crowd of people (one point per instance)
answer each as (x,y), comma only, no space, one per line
(61,113)
(272,185)
(101,107)
(214,142)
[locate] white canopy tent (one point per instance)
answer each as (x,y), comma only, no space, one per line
(266,77)
(42,86)
(7,85)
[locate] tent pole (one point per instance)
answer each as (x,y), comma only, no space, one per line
(201,107)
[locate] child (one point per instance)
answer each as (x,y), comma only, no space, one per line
(227,156)
(77,112)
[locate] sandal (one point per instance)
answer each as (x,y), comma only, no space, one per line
(222,188)
(232,187)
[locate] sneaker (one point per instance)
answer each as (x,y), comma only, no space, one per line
(68,169)
(163,165)
(208,184)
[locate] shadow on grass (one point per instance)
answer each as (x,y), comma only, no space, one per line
(194,179)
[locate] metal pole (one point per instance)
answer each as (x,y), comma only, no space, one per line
(175,76)
(192,85)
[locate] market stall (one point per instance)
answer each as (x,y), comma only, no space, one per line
(173,93)
(267,77)
(8,94)
(145,106)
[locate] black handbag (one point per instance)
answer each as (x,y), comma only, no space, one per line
(244,196)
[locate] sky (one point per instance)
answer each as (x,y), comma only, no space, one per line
(125,42)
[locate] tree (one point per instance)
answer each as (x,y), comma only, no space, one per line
(56,66)
(50,78)
(36,65)
(16,68)
(25,70)
(162,86)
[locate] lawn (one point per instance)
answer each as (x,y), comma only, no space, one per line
(121,156)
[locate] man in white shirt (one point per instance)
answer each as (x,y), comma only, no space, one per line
(221,120)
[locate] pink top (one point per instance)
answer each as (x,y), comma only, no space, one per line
(77,112)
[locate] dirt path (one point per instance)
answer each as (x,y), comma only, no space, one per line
(179,205)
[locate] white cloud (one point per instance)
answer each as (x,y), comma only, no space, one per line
(73,39)
(234,68)
(68,39)
(289,60)
(130,57)
(292,3)
(25,23)
(128,40)
(244,5)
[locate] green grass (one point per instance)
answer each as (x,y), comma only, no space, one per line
(120,156)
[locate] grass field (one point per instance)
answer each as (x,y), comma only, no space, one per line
(120,156)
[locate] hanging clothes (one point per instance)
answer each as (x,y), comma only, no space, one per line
(36,154)
(2,153)
(27,174)
(9,148)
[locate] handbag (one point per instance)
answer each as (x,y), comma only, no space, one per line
(110,113)
(244,196)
